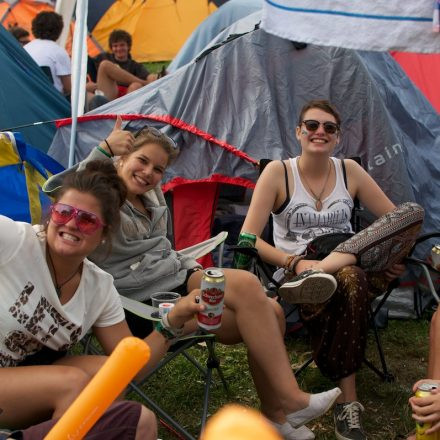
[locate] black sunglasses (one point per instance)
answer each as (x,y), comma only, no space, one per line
(157,133)
(329,127)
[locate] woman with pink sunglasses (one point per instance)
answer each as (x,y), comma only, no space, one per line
(52,295)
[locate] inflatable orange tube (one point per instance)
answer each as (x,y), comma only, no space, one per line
(129,356)
(235,422)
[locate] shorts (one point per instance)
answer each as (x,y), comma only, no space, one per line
(118,422)
(45,356)
(122,91)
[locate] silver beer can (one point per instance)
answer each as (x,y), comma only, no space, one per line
(212,297)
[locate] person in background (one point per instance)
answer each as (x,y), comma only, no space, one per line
(117,73)
(427,409)
(47,27)
(21,34)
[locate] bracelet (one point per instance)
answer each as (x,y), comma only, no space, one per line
(109,148)
(163,331)
(103,151)
(177,332)
(291,263)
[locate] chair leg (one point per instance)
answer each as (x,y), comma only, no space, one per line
(177,428)
(384,374)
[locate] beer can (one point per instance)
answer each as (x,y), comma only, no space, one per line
(212,294)
(243,261)
(424,390)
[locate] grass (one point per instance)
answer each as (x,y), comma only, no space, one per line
(178,388)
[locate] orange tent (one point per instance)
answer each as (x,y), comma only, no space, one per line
(158,27)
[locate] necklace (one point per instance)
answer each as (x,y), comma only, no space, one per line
(318,201)
(58,286)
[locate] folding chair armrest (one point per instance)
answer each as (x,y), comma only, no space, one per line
(426,268)
(422,238)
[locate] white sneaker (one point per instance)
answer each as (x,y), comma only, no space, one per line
(289,433)
(309,287)
(319,404)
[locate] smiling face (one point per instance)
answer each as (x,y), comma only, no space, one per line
(67,240)
(317,141)
(120,50)
(143,169)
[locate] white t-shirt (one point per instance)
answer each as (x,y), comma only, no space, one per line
(48,53)
(31,314)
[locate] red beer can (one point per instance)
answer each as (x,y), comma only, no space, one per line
(212,294)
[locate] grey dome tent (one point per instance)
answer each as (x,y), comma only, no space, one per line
(239,103)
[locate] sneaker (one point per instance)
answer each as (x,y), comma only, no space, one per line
(309,287)
(289,433)
(347,418)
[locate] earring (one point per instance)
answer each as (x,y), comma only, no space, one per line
(103,241)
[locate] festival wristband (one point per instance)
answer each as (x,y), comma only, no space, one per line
(177,332)
(103,151)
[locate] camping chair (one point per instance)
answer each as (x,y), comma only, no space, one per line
(265,272)
(427,269)
(200,338)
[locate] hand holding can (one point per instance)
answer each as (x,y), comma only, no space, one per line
(212,297)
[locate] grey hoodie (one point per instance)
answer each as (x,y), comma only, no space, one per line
(141,259)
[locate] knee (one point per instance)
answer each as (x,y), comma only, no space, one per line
(104,66)
(134,86)
(147,425)
(248,287)
(74,380)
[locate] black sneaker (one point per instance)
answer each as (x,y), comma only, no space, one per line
(347,417)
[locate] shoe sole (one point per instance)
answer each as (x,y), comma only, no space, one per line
(314,289)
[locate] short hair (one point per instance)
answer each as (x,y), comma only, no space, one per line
(100,179)
(18,32)
(47,25)
(119,35)
(320,104)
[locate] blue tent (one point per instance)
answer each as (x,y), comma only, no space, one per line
(26,94)
(23,170)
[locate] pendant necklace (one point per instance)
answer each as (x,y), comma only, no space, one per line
(318,201)
(58,287)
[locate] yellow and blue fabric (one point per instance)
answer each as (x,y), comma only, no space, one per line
(23,171)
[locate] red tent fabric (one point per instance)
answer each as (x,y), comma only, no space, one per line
(424,71)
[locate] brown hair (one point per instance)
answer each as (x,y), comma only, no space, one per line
(119,35)
(101,180)
(321,104)
(47,25)
(151,135)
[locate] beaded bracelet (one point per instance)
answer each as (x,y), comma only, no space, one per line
(103,151)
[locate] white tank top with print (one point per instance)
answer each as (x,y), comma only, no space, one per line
(299,222)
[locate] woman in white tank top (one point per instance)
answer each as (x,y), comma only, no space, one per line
(307,197)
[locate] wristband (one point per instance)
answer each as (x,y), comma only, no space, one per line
(163,331)
(291,263)
(109,148)
(103,151)
(177,332)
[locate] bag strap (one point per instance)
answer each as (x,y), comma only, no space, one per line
(344,172)
(287,181)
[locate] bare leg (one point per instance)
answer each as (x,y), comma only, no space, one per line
(33,394)
(348,388)
(109,74)
(258,327)
(147,426)
(434,351)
